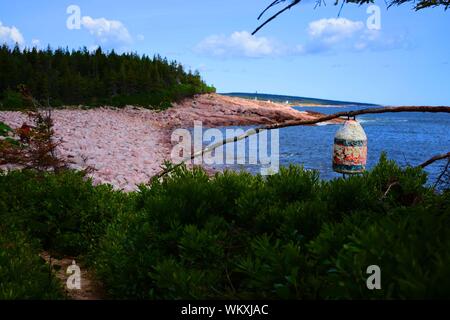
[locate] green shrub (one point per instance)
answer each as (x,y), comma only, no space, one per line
(293,184)
(12,100)
(238,236)
(411,248)
(272,269)
(261,206)
(398,186)
(63,211)
(303,221)
(173,234)
(285,236)
(23,274)
(172,280)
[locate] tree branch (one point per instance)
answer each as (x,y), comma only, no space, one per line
(355,113)
(393,184)
(293,123)
(419,5)
(443,173)
(434,159)
(270,6)
(295,2)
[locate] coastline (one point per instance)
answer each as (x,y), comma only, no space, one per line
(126,147)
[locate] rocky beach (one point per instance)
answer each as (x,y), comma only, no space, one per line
(126,147)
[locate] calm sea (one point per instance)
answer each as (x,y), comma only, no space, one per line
(408,138)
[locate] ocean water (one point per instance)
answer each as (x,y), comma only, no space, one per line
(409,138)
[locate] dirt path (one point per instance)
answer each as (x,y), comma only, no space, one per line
(91,289)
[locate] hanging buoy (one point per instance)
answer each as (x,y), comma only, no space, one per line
(350,149)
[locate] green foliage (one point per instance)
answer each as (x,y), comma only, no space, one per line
(238,236)
(23,274)
(97,78)
(403,187)
(64,212)
(271,265)
(411,247)
(4,129)
(287,236)
(7,134)
(12,100)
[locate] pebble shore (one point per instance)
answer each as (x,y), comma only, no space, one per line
(126,147)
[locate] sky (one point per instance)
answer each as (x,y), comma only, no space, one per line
(394,56)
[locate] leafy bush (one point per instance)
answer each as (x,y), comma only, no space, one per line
(286,236)
(238,236)
(398,186)
(416,263)
(23,274)
(63,211)
(12,100)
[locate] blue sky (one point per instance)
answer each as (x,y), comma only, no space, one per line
(403,60)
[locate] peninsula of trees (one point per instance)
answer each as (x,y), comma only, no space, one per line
(92,78)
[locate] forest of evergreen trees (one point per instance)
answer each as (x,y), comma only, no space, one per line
(80,77)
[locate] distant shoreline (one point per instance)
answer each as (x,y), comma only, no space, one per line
(294,100)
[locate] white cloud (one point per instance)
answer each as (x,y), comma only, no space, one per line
(334,30)
(324,35)
(35,43)
(376,40)
(340,34)
(238,44)
(10,35)
(107,32)
(140,37)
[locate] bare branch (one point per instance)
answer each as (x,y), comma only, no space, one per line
(444,172)
(419,5)
(293,123)
(295,2)
(434,159)
(393,184)
(270,6)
